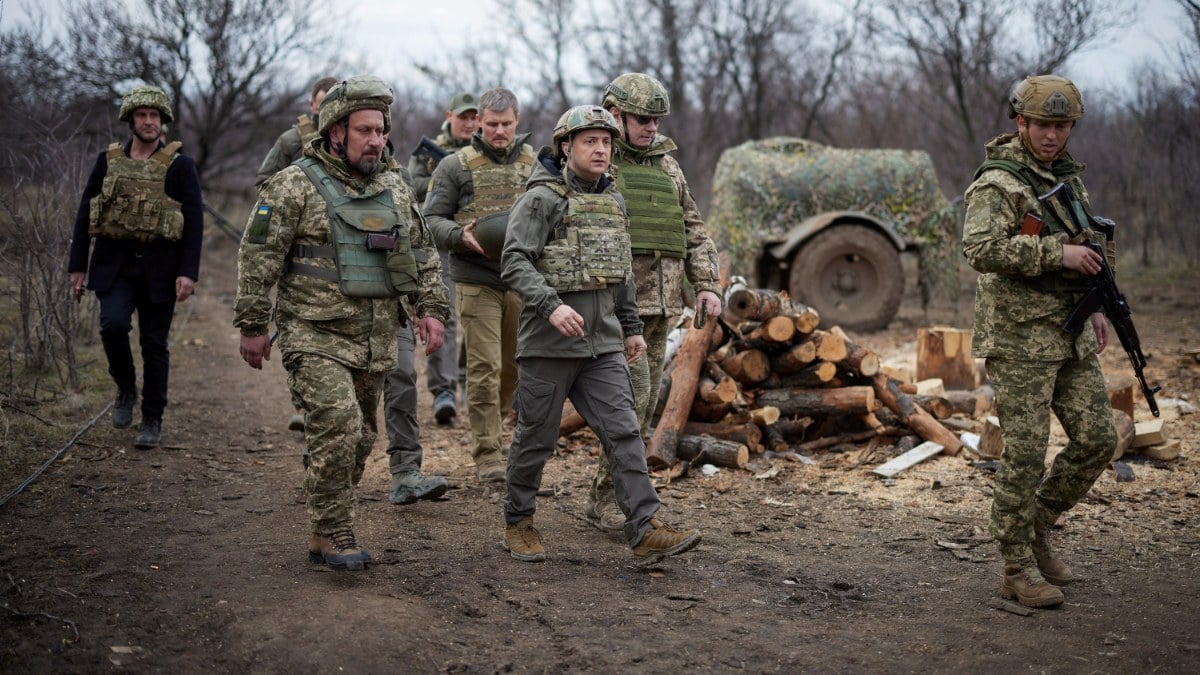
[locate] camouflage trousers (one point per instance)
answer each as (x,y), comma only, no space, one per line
(340,427)
(646,374)
(1026,393)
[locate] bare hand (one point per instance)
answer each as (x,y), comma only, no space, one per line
(255,349)
(1101,327)
(635,346)
(567,321)
(77,284)
(710,302)
(1081,259)
(469,240)
(184,288)
(431,333)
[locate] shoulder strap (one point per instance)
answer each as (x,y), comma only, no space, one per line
(166,154)
(1017,169)
(328,188)
(115,151)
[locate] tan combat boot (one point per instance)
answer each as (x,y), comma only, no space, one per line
(604,513)
(1023,582)
(663,541)
(523,541)
(1052,568)
(338,550)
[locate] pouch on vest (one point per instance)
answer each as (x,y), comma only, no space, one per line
(133,203)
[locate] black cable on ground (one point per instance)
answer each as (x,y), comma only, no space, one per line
(45,465)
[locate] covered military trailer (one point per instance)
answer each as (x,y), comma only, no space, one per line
(829,224)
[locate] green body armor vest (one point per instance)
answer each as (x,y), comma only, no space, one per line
(496,186)
(366,263)
(655,217)
(1060,281)
(590,250)
(133,203)
(306,129)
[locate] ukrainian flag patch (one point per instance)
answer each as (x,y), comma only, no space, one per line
(259,225)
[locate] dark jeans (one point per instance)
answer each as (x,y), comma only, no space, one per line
(128,293)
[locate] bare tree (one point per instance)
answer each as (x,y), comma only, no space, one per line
(967,54)
(221,61)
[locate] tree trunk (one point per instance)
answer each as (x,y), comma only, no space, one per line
(754,304)
(809,402)
(795,358)
(748,434)
(728,454)
(945,353)
(748,367)
(914,416)
(685,376)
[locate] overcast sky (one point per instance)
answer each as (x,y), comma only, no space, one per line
(390,34)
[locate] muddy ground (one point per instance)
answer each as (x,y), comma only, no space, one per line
(193,557)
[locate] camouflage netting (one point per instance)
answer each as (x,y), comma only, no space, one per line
(761,189)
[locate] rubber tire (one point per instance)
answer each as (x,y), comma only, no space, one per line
(865,262)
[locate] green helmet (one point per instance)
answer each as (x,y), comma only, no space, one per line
(1046,97)
(639,94)
(583,117)
(146,96)
(361,92)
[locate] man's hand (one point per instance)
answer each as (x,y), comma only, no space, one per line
(709,303)
(255,349)
(635,346)
(1101,327)
(77,284)
(469,240)
(184,287)
(1081,259)
(567,321)
(431,333)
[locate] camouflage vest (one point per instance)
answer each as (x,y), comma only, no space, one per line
(369,241)
(590,249)
(133,203)
(496,186)
(1053,219)
(655,217)
(307,130)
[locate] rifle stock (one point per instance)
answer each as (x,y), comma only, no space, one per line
(427,148)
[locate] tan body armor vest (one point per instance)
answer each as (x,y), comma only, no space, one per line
(496,186)
(656,224)
(590,249)
(306,129)
(133,203)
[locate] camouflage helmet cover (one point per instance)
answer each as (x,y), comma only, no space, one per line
(361,92)
(1046,97)
(146,96)
(639,94)
(583,117)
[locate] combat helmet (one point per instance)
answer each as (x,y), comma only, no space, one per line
(637,94)
(1046,97)
(581,118)
(146,96)
(361,92)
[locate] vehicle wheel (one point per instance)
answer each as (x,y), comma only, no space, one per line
(851,275)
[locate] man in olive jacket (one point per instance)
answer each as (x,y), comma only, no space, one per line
(567,253)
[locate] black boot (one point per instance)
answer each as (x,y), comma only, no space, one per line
(122,412)
(149,435)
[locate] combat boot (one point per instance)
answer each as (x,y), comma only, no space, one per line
(122,412)
(1023,582)
(663,541)
(1052,568)
(149,435)
(444,410)
(605,514)
(523,541)
(409,486)
(338,550)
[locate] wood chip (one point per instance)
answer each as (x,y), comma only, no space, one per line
(1010,607)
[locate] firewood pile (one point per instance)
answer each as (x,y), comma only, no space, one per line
(763,377)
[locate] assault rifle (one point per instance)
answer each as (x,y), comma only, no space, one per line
(1102,294)
(427,148)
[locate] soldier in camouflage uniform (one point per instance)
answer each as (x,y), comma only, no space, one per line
(480,180)
(567,253)
(1028,285)
(143,207)
(670,244)
(340,234)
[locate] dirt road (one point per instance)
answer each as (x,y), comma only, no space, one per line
(193,557)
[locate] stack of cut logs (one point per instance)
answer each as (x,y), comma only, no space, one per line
(765,378)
